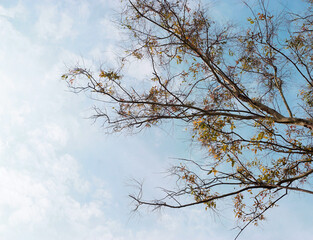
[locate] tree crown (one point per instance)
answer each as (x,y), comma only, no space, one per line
(245,95)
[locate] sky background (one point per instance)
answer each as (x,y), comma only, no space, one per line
(61,177)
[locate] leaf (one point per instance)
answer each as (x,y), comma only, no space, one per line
(260,136)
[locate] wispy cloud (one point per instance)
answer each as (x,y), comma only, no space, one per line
(52,24)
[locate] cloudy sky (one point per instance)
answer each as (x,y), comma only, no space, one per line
(61,177)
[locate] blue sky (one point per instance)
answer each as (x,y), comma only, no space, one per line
(61,177)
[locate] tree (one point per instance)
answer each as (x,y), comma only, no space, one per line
(244,93)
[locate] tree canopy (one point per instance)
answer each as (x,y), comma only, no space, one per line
(244,93)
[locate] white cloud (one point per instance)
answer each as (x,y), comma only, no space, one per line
(84,10)
(42,188)
(53,23)
(109,29)
(14,12)
(111,4)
